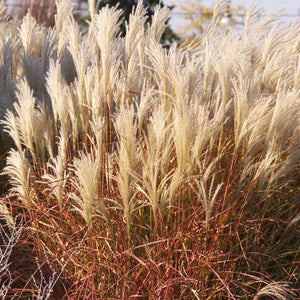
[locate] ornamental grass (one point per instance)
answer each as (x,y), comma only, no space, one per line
(131,170)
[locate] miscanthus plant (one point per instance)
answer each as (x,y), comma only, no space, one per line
(141,171)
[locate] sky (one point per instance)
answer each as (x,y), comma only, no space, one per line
(292,7)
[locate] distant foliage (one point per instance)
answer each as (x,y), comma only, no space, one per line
(197,15)
(127,7)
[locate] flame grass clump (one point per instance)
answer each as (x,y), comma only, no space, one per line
(140,171)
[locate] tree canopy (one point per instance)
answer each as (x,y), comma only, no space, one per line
(127,6)
(198,15)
